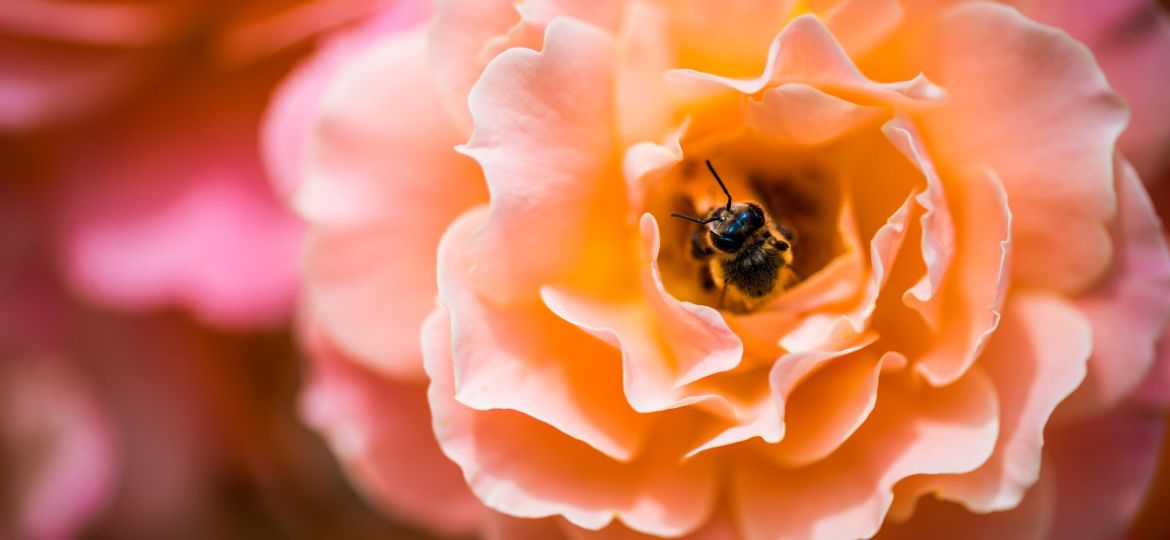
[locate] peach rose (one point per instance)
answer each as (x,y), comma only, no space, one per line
(969,252)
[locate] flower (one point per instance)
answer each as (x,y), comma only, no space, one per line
(982,276)
(165,201)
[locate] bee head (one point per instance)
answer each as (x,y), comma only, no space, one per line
(732,226)
(729,226)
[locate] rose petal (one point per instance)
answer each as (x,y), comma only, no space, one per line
(369,260)
(826,408)
(938,230)
(644,55)
(525,468)
(924,430)
(860,24)
(1104,467)
(380,429)
(729,38)
(1053,151)
(528,360)
(971,304)
(934,518)
(1131,304)
(292,112)
(1131,41)
(543,136)
(799,114)
(1036,359)
(459,33)
(504,527)
(666,344)
(806,52)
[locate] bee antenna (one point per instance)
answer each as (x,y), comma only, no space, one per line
(689,218)
(720,180)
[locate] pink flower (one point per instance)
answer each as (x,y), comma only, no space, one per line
(980,278)
(166,202)
(168,205)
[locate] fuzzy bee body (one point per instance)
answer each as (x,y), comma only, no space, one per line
(743,253)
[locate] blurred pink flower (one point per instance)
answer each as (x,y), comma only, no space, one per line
(167,204)
(975,253)
(165,200)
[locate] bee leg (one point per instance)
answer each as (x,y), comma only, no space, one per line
(700,249)
(706,280)
(723,296)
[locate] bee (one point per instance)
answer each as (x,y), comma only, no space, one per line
(741,251)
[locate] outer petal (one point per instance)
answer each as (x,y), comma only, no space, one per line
(1130,306)
(1131,41)
(292,112)
(381,431)
(921,431)
(543,135)
(183,167)
(379,191)
(1104,467)
(933,518)
(1036,359)
(1053,151)
(523,467)
(457,46)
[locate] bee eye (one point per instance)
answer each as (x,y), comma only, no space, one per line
(782,246)
(726,244)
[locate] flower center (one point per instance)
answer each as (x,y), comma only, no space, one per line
(779,229)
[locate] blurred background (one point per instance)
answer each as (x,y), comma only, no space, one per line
(149,365)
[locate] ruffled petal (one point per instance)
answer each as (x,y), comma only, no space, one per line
(934,518)
(528,360)
(1036,359)
(525,468)
(543,136)
(806,52)
(1052,150)
(800,114)
(666,344)
(914,429)
(380,429)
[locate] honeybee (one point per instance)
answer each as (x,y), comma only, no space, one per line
(741,251)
